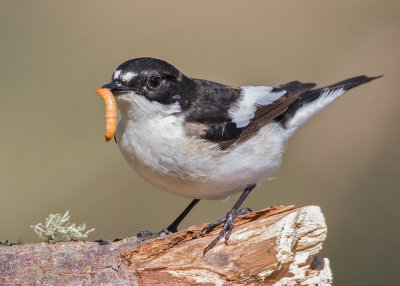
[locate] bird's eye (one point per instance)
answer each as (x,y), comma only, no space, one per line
(155,82)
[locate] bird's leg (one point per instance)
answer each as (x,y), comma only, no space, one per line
(209,227)
(228,220)
(173,227)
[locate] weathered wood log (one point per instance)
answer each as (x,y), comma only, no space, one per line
(275,246)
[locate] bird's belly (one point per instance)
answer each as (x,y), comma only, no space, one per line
(190,188)
(194,168)
(188,181)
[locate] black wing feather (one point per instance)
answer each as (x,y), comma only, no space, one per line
(214,123)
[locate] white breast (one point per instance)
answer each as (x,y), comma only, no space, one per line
(159,151)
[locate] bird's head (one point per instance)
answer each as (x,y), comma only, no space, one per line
(147,87)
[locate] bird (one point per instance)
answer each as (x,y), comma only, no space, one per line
(200,139)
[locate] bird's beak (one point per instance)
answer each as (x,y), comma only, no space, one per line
(110,85)
(116,89)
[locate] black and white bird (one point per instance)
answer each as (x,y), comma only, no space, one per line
(204,140)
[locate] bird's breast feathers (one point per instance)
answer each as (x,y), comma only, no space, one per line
(163,152)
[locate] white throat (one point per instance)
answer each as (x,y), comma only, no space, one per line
(137,108)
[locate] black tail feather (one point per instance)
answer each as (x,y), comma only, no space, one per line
(351,82)
(314,94)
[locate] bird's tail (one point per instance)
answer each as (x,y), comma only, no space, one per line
(315,100)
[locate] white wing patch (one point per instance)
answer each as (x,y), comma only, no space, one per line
(252,96)
(310,109)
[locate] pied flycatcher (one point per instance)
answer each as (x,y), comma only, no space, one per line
(204,140)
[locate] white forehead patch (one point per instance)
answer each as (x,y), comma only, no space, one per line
(116,74)
(128,76)
(251,97)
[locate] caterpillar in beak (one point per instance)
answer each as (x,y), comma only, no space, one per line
(111,112)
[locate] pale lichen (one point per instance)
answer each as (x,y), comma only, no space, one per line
(57,226)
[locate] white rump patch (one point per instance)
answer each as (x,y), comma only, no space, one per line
(251,97)
(309,109)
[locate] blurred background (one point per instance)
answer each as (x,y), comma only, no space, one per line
(53,55)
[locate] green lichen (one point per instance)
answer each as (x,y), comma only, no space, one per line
(57,226)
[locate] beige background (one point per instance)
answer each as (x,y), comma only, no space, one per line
(54,54)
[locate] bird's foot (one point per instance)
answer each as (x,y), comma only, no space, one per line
(147,234)
(229,223)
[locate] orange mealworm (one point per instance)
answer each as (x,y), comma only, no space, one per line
(111,111)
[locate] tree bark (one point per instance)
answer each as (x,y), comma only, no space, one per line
(275,246)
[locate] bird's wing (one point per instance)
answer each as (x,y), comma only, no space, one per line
(249,112)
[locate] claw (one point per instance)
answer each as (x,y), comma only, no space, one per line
(209,227)
(228,235)
(229,224)
(172,228)
(146,234)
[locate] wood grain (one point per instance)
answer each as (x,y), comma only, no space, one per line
(275,246)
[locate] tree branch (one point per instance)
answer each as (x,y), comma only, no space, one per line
(275,246)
